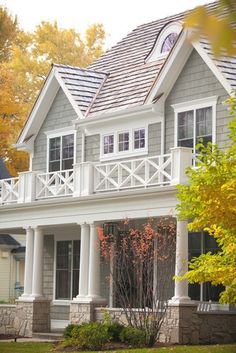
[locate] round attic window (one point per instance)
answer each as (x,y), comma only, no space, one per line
(169,42)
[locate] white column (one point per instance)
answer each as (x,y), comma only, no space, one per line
(28,263)
(37,286)
(181,262)
(94,264)
(84,261)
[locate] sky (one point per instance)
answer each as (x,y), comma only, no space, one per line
(118,17)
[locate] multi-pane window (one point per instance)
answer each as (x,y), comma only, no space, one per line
(61,152)
(139,139)
(195,126)
(169,42)
(67,269)
(108,144)
(123,141)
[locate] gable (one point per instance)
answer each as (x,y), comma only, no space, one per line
(59,116)
(196,81)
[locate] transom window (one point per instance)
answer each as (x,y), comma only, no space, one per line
(67,269)
(194,126)
(124,142)
(61,152)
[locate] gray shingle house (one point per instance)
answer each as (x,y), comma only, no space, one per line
(111,142)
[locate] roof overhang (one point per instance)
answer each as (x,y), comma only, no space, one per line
(41,108)
(175,63)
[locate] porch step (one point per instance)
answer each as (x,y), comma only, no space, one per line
(49,336)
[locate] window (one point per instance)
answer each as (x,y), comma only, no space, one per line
(124,143)
(195,126)
(61,152)
(169,42)
(200,243)
(108,144)
(139,139)
(67,269)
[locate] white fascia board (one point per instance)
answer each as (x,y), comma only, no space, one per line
(40,108)
(212,66)
(68,95)
(172,67)
(120,115)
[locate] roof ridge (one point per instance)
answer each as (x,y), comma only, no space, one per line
(79,68)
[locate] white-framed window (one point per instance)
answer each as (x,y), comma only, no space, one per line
(165,41)
(67,269)
(108,144)
(61,148)
(124,143)
(195,122)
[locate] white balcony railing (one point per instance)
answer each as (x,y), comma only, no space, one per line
(55,184)
(143,172)
(90,178)
(9,190)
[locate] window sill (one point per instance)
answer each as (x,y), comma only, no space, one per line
(112,157)
(61,302)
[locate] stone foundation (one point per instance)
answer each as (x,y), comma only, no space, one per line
(32,316)
(7,317)
(83,312)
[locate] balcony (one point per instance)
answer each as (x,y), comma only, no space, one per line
(92,178)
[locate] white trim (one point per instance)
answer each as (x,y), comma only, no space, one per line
(132,152)
(155,54)
(60,133)
(194,105)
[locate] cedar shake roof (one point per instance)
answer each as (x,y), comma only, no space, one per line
(121,78)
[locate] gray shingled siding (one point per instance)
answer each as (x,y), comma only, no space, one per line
(59,116)
(194,82)
(154,139)
(48,266)
(92,148)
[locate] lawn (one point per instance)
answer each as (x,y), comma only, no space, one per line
(48,347)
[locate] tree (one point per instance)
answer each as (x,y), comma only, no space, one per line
(141,262)
(217,25)
(26,62)
(8,30)
(209,202)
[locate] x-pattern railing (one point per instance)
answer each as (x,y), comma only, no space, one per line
(9,190)
(55,184)
(135,173)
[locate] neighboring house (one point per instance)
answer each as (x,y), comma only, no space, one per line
(12,255)
(109,142)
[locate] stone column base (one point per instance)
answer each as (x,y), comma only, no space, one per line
(81,312)
(179,324)
(32,316)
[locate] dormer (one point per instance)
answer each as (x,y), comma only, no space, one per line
(164,42)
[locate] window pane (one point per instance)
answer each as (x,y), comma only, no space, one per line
(169,42)
(123,141)
(108,144)
(139,138)
(76,266)
(54,154)
(63,269)
(204,121)
(67,164)
(185,129)
(54,166)
(67,151)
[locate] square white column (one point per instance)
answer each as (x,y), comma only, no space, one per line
(84,261)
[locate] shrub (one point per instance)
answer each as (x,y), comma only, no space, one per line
(133,336)
(68,331)
(114,330)
(93,336)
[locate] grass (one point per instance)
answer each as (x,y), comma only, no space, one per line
(12,347)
